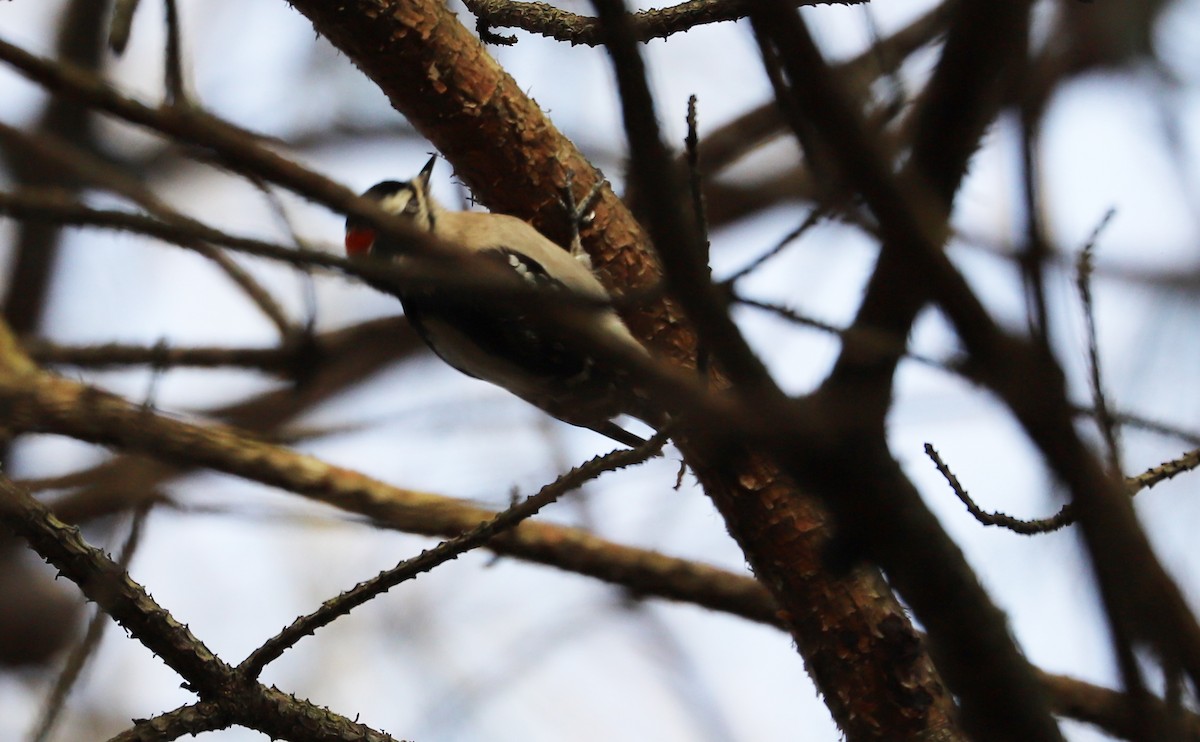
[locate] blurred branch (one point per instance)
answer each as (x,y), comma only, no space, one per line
(240,150)
(729,200)
(332,363)
(728,142)
(53,205)
(281,360)
(95,171)
(955,366)
(36,246)
(1143,423)
(80,42)
(437,263)
(678,239)
(173,57)
(1114,712)
(880,338)
(121,24)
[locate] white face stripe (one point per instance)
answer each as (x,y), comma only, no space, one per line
(411,202)
(395,203)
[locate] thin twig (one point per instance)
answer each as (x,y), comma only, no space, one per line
(444,552)
(881,339)
(1024,527)
(814,216)
(1144,423)
(1066,515)
(1104,418)
(658,23)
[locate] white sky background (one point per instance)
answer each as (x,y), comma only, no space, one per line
(502,651)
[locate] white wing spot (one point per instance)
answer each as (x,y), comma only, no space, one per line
(521,268)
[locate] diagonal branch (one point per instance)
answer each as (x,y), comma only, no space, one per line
(40,402)
(103,581)
(445,551)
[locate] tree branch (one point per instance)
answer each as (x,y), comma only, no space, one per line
(658,23)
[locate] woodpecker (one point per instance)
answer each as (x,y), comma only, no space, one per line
(496,340)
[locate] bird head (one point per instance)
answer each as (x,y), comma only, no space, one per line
(409,200)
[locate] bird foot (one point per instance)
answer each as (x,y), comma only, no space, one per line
(579,214)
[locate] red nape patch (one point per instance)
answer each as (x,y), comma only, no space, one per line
(359,240)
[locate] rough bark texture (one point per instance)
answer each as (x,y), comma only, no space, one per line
(856,640)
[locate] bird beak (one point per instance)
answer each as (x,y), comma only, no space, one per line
(423,176)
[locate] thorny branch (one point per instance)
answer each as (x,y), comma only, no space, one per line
(1066,515)
(104,582)
(547,20)
(445,551)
